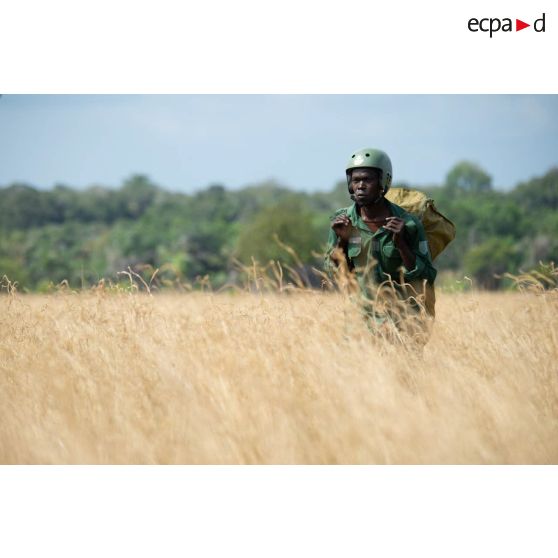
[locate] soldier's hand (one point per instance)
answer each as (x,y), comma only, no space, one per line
(341,225)
(396,225)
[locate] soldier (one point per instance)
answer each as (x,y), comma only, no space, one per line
(385,248)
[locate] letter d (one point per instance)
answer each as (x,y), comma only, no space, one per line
(535,27)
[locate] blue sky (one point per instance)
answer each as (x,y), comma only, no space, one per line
(186,142)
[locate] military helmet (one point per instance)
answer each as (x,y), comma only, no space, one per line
(368,157)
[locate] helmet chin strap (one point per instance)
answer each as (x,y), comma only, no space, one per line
(380,197)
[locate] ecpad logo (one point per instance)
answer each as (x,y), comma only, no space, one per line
(493,25)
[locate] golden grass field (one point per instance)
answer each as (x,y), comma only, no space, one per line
(101,377)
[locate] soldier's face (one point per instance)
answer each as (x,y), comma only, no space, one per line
(365,184)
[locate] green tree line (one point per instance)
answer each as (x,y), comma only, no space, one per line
(82,236)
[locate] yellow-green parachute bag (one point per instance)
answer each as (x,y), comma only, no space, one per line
(440,231)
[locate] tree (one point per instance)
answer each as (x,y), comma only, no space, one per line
(136,195)
(468,177)
(24,207)
(539,193)
(489,260)
(293,225)
(252,199)
(332,200)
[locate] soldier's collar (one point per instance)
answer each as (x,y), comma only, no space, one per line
(395,210)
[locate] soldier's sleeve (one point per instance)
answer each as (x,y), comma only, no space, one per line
(332,245)
(424,269)
(330,265)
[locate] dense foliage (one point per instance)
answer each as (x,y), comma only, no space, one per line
(82,236)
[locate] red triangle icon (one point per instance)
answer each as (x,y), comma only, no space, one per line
(519,25)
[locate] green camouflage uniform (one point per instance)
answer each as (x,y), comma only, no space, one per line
(377,263)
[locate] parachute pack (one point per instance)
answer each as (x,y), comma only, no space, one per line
(440,231)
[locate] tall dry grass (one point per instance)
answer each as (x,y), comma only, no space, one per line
(114,377)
